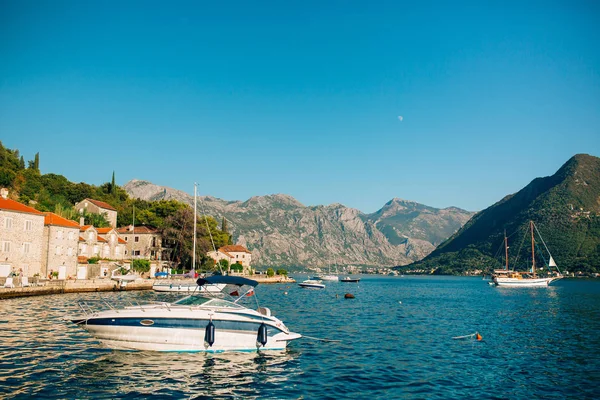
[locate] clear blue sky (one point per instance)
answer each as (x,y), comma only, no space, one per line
(251,98)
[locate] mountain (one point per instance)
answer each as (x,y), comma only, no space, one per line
(281,231)
(565,208)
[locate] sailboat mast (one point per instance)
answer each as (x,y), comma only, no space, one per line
(194,255)
(532,249)
(506,249)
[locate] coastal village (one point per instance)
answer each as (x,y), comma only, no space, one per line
(38,248)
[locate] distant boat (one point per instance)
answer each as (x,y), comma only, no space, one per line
(311,284)
(123,279)
(349,279)
(510,278)
(186,287)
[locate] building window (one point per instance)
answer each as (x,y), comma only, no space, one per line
(137,239)
(59,234)
(28,225)
(106,251)
(70,235)
(96,250)
(117,251)
(8,222)
(6,247)
(26,247)
(84,248)
(91,236)
(136,253)
(70,251)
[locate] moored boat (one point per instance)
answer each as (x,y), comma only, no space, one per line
(311,284)
(185,287)
(207,322)
(349,279)
(510,278)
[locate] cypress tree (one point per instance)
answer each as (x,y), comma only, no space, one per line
(36,162)
(112,184)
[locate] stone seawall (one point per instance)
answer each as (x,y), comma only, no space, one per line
(104,285)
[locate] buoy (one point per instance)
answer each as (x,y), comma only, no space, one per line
(261,337)
(209,334)
(348,296)
(478,336)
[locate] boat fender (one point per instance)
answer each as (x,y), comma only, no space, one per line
(209,334)
(261,337)
(348,296)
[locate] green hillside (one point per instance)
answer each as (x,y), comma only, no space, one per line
(565,207)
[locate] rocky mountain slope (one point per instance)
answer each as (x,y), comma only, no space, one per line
(565,208)
(280,231)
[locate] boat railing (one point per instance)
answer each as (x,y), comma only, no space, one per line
(89,307)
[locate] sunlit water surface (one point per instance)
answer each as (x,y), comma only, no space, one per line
(395,342)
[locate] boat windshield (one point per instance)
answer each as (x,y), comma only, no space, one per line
(222,303)
(192,301)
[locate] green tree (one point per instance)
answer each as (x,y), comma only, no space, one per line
(36,162)
(140,265)
(237,267)
(270,272)
(22,163)
(112,184)
(282,272)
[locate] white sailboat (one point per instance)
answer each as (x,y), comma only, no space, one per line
(510,278)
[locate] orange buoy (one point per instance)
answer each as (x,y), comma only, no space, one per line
(348,296)
(478,336)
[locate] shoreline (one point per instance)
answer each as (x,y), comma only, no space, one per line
(103,285)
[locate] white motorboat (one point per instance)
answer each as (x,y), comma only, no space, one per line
(123,279)
(311,284)
(330,278)
(204,322)
(186,287)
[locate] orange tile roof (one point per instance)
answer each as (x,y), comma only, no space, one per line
(54,219)
(103,231)
(11,205)
(81,239)
(122,241)
(82,259)
(85,227)
(234,248)
(102,240)
(102,204)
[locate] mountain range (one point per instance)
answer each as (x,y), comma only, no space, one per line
(565,208)
(281,231)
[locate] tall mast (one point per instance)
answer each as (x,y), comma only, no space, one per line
(194,255)
(532,249)
(133,237)
(506,249)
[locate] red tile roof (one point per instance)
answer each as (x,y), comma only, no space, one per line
(11,205)
(54,219)
(103,231)
(81,239)
(234,248)
(122,241)
(85,227)
(101,204)
(102,240)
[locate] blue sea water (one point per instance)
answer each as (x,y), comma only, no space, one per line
(395,342)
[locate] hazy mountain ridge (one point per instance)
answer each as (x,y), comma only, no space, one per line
(279,230)
(565,207)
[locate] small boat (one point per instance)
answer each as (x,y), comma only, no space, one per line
(349,279)
(123,279)
(311,284)
(510,278)
(332,278)
(201,322)
(185,287)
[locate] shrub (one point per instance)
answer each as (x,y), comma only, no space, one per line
(270,272)
(282,272)
(237,267)
(140,265)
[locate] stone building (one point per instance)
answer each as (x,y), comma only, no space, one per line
(98,207)
(60,243)
(113,247)
(234,254)
(89,246)
(21,237)
(142,242)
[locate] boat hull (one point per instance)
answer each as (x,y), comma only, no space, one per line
(178,330)
(524,282)
(186,287)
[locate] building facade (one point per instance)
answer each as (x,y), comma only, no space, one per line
(113,247)
(143,242)
(98,207)
(234,254)
(61,240)
(21,237)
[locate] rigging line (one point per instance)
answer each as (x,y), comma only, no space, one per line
(322,340)
(209,232)
(520,247)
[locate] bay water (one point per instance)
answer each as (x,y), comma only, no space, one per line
(395,341)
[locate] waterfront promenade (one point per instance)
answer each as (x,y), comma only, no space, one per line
(105,285)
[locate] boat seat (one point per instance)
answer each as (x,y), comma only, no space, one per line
(9,283)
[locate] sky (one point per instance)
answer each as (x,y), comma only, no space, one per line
(304,97)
